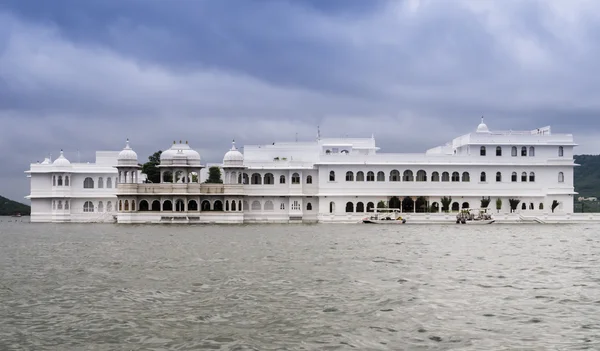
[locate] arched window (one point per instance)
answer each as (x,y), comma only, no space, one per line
(295,178)
(513,151)
(445,177)
(309,179)
(88,206)
(269,179)
(541,206)
(192,205)
(531,206)
(561,151)
(455,177)
(233,206)
(524,151)
(282,206)
(524,176)
(349,207)
(349,176)
(482,177)
(370,176)
(100,183)
(226,205)
(370,206)
(435,207)
(513,177)
(120,205)
(435,177)
(531,151)
(455,206)
(360,207)
(561,177)
(498,151)
(269,205)
(240,208)
(532,177)
(88,183)
(155,206)
(282,179)
(100,206)
(524,206)
(108,206)
(60,183)
(179,205)
(466,177)
(465,205)
(218,205)
(309,206)
(60,206)
(394,176)
(482,151)
(168,205)
(407,176)
(256,179)
(421,176)
(331,207)
(66,180)
(54,180)
(380,176)
(126,205)
(360,176)
(332,176)
(205,205)
(256,205)
(109,182)
(498,176)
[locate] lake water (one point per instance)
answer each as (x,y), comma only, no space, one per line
(299,287)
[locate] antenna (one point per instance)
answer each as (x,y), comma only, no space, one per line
(318,133)
(296,136)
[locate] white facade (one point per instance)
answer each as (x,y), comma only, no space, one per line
(327,180)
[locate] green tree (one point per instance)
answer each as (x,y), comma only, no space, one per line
(214,175)
(555,205)
(513,204)
(446,201)
(381,204)
(498,204)
(485,202)
(151,169)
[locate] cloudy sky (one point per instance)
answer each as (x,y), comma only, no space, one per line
(86,75)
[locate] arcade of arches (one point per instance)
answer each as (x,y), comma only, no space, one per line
(407,204)
(180,205)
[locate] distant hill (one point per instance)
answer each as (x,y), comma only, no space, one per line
(587,176)
(9,207)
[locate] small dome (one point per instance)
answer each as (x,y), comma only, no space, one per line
(180,154)
(482,127)
(127,155)
(233,157)
(46,161)
(61,161)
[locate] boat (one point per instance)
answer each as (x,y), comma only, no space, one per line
(385,216)
(17,215)
(474,216)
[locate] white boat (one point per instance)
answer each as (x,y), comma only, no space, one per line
(385,216)
(469,216)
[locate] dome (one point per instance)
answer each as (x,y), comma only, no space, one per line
(482,127)
(46,161)
(127,155)
(180,154)
(233,157)
(61,161)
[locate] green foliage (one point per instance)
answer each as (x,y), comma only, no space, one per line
(514,203)
(214,175)
(9,207)
(446,202)
(381,204)
(498,204)
(586,175)
(151,170)
(485,202)
(394,202)
(555,205)
(421,204)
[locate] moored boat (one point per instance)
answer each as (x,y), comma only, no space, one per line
(385,216)
(480,216)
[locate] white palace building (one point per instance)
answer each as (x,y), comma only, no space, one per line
(326,180)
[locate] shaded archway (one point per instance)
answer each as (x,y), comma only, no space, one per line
(421,204)
(465,205)
(179,205)
(370,207)
(349,207)
(205,205)
(408,204)
(155,205)
(435,207)
(360,207)
(394,202)
(167,205)
(455,206)
(233,207)
(192,205)
(218,205)
(144,205)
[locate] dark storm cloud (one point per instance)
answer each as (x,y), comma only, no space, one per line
(85,75)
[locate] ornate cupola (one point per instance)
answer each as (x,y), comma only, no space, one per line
(127,165)
(233,165)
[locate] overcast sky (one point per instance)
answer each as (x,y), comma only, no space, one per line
(86,75)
